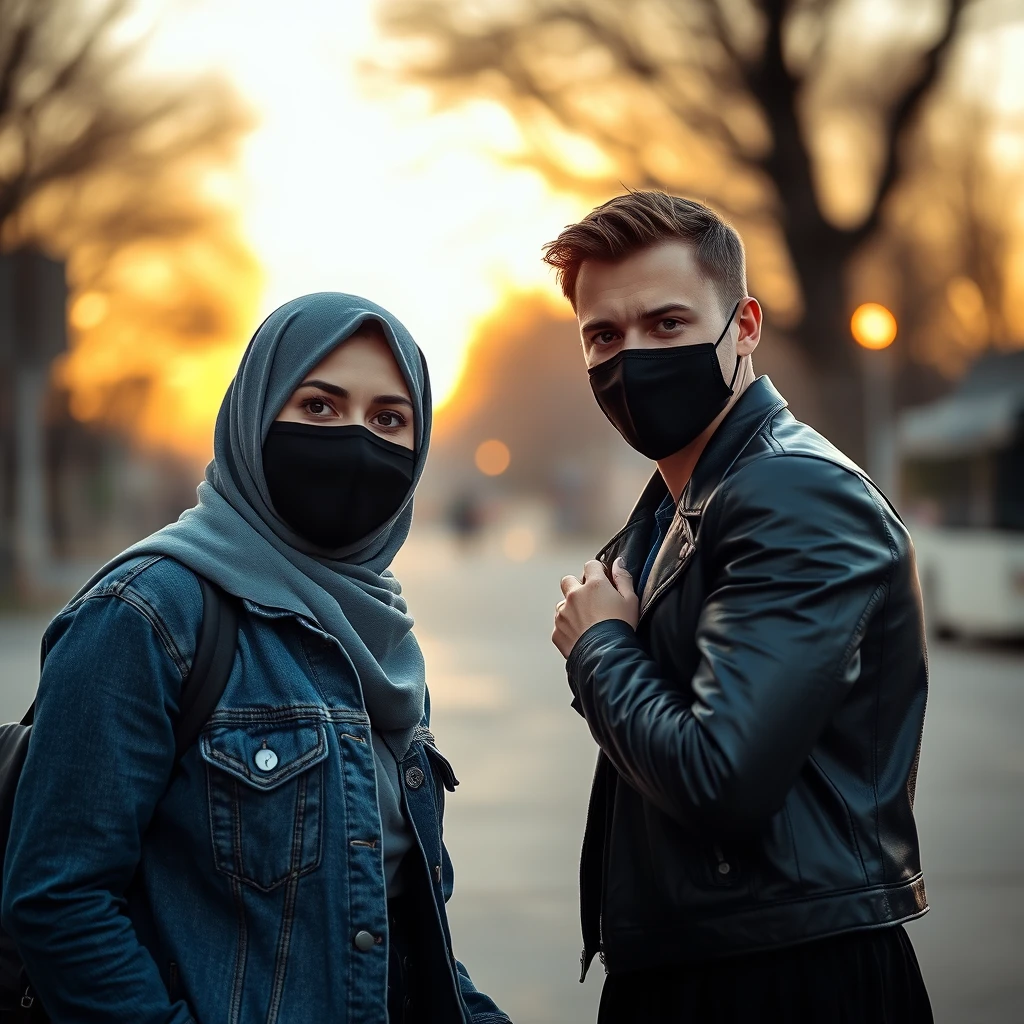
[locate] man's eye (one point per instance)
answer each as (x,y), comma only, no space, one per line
(670,324)
(604,338)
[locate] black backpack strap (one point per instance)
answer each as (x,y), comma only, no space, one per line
(211,666)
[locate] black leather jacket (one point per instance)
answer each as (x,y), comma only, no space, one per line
(760,729)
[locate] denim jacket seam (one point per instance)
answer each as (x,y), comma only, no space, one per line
(284,714)
(123,582)
(313,674)
(137,601)
(146,610)
(318,753)
(284,939)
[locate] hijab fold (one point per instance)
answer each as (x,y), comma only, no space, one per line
(234,537)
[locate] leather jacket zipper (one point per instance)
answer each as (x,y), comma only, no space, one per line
(592,888)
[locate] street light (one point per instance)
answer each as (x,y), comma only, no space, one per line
(873,326)
(874,329)
(492,457)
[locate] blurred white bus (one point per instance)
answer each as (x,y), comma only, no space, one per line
(962,488)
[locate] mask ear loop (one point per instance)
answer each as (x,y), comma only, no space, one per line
(721,338)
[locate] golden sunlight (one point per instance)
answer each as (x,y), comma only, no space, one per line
(335,189)
(378,196)
(339,187)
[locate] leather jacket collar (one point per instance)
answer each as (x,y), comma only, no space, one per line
(752,410)
(758,404)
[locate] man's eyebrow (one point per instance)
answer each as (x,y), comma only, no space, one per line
(671,307)
(597,325)
(650,314)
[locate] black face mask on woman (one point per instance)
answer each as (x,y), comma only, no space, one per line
(334,485)
(659,400)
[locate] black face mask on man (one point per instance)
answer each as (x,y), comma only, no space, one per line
(659,400)
(335,485)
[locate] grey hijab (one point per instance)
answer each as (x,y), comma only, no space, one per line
(234,537)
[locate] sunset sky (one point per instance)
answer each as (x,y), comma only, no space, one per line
(369,195)
(347,186)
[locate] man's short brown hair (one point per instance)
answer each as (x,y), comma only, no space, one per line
(627,224)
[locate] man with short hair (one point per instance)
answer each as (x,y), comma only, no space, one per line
(748,652)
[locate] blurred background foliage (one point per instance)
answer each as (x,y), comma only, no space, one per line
(858,147)
(192,166)
(131,180)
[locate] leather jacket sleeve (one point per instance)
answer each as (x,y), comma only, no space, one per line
(797,559)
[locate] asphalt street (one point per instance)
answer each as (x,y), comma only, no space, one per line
(525,759)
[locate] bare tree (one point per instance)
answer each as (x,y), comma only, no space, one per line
(725,99)
(104,166)
(952,239)
(72,104)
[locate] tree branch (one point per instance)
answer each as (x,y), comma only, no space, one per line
(902,114)
(15,60)
(67,74)
(722,34)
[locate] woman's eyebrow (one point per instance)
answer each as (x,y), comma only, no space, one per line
(334,389)
(331,389)
(392,400)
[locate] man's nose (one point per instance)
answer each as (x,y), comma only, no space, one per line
(634,337)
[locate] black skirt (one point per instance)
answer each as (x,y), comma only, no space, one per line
(408,1000)
(868,977)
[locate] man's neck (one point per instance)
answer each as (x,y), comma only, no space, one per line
(677,469)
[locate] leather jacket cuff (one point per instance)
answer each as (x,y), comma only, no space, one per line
(600,632)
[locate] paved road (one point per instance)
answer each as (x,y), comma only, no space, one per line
(525,760)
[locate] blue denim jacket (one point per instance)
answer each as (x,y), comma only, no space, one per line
(215,892)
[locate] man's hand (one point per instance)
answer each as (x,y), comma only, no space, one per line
(593,599)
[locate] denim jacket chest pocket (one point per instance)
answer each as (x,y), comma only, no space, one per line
(265,785)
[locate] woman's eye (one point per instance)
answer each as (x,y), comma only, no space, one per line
(315,406)
(389,419)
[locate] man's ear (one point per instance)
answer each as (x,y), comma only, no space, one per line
(749,319)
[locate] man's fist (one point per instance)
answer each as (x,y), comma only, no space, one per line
(593,599)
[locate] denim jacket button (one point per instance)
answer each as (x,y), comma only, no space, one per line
(266,759)
(414,777)
(364,941)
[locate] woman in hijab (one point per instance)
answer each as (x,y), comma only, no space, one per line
(289,868)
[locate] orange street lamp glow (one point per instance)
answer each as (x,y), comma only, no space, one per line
(873,326)
(493,458)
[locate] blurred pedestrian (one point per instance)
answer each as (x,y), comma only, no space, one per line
(291,868)
(465,517)
(748,653)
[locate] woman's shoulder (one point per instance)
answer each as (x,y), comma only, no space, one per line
(159,587)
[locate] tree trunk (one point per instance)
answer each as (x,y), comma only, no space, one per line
(824,336)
